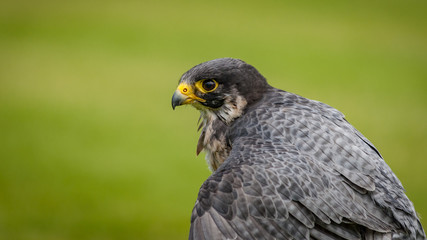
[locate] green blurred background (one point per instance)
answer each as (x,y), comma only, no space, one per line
(90,147)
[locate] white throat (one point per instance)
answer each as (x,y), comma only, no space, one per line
(215,123)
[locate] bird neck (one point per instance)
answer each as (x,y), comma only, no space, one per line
(213,140)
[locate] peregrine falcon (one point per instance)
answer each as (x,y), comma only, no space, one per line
(284,166)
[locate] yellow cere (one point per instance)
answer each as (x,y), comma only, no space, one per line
(188,91)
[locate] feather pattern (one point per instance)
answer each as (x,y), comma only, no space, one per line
(286,167)
(298,170)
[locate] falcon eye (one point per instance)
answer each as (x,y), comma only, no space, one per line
(209,85)
(206,85)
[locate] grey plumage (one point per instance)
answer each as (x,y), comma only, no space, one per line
(288,167)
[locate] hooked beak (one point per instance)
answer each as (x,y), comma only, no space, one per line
(184,94)
(178,99)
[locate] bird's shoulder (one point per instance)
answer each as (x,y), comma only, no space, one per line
(298,168)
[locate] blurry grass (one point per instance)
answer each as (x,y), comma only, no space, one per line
(90,148)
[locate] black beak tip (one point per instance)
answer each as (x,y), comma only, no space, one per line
(173,105)
(176,100)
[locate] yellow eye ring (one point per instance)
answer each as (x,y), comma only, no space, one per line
(206,85)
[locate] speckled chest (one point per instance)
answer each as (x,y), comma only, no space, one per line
(213,140)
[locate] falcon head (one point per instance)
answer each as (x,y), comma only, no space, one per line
(222,87)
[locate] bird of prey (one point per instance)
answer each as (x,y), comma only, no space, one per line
(284,166)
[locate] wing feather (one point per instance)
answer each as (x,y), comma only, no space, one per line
(299,172)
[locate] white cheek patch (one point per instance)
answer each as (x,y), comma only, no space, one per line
(231,109)
(213,142)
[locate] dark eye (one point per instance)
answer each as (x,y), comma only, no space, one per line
(209,85)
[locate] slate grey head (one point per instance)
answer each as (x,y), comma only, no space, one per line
(213,84)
